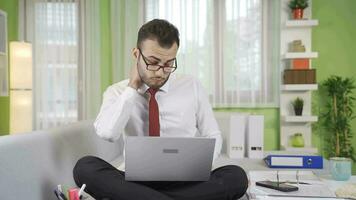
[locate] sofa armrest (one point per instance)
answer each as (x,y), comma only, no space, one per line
(32,164)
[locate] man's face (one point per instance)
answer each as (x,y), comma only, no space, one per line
(156,55)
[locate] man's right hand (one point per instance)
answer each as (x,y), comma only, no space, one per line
(135,80)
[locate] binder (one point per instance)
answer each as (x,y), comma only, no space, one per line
(294,161)
(255,130)
(236,138)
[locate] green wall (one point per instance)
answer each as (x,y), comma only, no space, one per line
(10,7)
(105,33)
(335,40)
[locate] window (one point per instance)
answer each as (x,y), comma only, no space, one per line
(230,45)
(56,69)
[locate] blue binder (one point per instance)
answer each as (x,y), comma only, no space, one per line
(294,161)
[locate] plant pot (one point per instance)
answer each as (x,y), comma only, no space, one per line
(298,13)
(340,168)
(298,111)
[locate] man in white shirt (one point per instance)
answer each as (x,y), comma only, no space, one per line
(155,102)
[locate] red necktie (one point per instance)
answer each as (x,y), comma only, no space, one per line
(153,114)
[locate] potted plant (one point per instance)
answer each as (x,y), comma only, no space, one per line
(297,7)
(298,106)
(336,119)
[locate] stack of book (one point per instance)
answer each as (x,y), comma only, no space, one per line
(297,46)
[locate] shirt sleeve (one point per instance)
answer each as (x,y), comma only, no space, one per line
(206,121)
(114,113)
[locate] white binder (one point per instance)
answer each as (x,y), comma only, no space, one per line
(255,129)
(236,137)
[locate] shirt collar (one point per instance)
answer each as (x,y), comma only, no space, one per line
(165,87)
(143,89)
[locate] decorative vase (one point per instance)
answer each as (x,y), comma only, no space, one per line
(340,168)
(297,140)
(298,13)
(298,111)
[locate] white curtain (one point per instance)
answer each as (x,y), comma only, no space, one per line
(126,19)
(230,45)
(89,59)
(65,88)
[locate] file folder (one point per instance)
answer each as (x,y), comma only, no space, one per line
(294,161)
(255,131)
(236,138)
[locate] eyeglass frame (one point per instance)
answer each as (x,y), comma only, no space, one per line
(159,66)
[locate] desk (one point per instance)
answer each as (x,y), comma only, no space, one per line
(258,164)
(334,185)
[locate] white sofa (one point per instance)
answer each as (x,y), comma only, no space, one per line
(32,164)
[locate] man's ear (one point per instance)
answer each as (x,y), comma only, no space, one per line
(135,53)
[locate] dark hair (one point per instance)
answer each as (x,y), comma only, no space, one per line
(160,30)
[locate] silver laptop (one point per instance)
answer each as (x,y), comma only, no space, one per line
(168,158)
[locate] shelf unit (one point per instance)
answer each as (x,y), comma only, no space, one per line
(300,55)
(4,81)
(303,150)
(300,119)
(289,122)
(299,87)
(302,23)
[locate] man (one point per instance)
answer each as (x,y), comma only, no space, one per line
(154,102)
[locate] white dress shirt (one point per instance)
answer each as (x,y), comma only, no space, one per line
(184,111)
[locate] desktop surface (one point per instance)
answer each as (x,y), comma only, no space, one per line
(259,165)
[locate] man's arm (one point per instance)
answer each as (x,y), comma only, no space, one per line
(116,108)
(114,113)
(206,121)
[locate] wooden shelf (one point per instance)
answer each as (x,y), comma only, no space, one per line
(294,55)
(300,119)
(302,149)
(299,87)
(302,23)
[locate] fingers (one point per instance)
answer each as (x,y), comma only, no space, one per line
(135,80)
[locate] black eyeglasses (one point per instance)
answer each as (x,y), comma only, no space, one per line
(170,68)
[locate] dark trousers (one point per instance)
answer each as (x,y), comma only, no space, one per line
(106,182)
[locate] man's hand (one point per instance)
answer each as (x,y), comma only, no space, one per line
(135,80)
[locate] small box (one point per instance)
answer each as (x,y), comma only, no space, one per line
(311,76)
(300,76)
(300,63)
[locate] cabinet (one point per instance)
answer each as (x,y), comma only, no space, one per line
(4,87)
(290,124)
